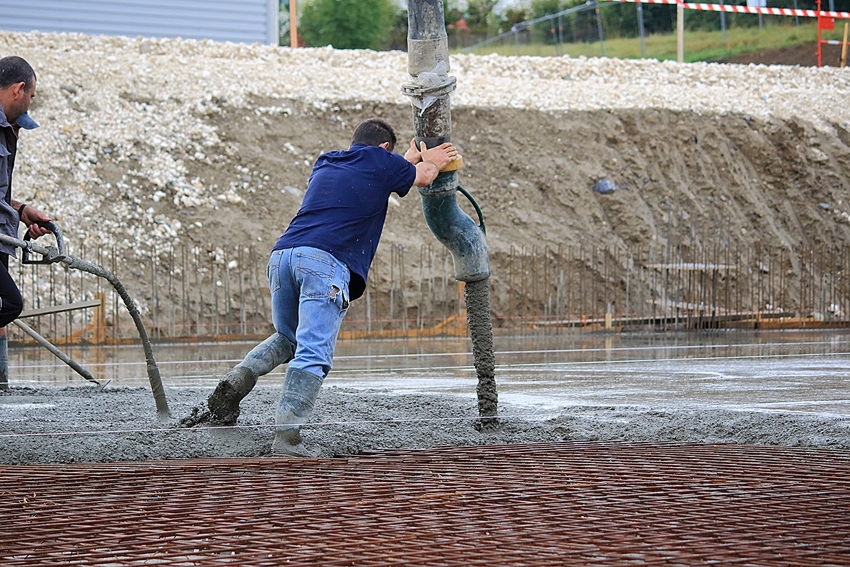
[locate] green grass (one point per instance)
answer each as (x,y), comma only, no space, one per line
(699,45)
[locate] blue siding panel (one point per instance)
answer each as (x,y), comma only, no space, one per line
(242,21)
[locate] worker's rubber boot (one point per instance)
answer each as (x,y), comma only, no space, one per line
(300,389)
(223,403)
(222,407)
(4,363)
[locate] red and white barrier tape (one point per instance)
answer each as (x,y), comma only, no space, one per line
(749,10)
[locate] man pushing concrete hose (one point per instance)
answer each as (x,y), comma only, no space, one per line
(317,267)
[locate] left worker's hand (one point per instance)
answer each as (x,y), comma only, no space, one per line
(30,217)
(412,154)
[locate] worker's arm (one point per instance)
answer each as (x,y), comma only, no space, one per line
(31,216)
(433,160)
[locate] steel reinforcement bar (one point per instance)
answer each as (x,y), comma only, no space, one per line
(613,504)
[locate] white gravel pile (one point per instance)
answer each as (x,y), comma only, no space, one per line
(143,101)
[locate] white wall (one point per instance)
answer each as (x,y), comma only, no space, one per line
(240,21)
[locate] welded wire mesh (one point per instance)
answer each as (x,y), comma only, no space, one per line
(532,505)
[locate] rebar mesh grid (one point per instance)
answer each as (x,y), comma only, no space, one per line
(531,505)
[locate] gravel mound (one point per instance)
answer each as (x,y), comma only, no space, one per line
(145,105)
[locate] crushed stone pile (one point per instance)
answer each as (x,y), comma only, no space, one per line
(144,104)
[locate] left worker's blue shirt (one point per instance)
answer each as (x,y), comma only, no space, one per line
(345,206)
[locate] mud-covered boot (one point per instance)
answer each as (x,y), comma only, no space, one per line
(4,363)
(222,407)
(300,389)
(223,403)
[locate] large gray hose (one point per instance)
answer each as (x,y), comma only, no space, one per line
(154,378)
(429,89)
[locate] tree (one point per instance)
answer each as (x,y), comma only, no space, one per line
(477,13)
(540,8)
(346,24)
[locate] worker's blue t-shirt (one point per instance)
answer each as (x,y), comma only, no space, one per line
(345,206)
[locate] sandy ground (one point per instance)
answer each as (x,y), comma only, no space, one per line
(53,425)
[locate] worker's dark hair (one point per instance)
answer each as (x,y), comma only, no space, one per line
(374,132)
(14,69)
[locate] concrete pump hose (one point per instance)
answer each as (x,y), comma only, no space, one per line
(52,255)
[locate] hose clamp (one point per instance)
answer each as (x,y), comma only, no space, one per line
(437,91)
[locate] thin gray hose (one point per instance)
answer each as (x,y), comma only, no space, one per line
(52,254)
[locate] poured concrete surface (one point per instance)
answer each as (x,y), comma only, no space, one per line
(788,388)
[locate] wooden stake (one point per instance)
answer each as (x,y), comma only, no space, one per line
(293,24)
(844,46)
(680,26)
(100,319)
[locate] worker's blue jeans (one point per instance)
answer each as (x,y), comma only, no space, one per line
(309,299)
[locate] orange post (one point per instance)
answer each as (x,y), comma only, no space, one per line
(293,24)
(100,319)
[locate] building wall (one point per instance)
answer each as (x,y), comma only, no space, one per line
(240,21)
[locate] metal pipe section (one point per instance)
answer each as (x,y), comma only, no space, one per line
(429,89)
(58,353)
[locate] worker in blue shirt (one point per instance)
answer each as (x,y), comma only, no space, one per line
(317,267)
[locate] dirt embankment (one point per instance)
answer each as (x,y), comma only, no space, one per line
(685,178)
(147,143)
(805,54)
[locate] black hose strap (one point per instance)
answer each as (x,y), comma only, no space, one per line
(477,208)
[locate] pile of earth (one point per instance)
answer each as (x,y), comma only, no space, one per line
(804,54)
(154,143)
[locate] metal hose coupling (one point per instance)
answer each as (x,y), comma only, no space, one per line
(455,229)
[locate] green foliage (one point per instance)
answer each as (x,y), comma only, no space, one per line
(452,12)
(478,13)
(398,32)
(699,45)
(544,32)
(541,8)
(514,16)
(346,24)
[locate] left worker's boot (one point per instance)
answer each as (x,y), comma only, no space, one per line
(238,383)
(4,363)
(300,389)
(222,406)
(223,403)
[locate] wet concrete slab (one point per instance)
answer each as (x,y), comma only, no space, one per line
(798,371)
